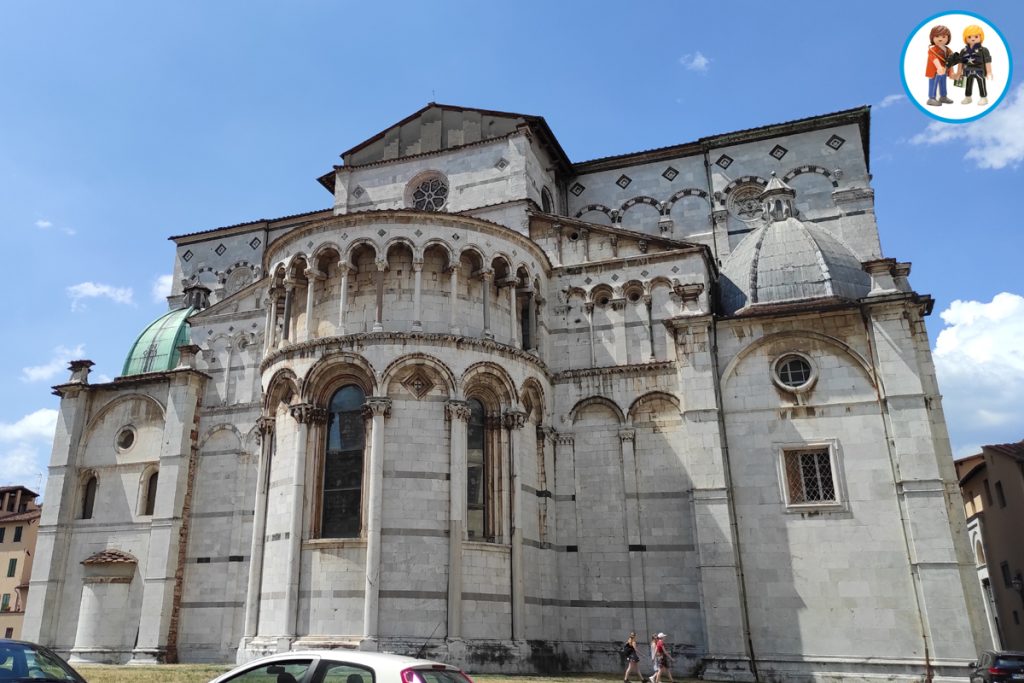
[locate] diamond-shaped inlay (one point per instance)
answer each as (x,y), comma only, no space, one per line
(418,233)
(502,164)
(577,189)
(455,236)
(358,192)
(623,181)
(344,236)
(382,232)
(778,151)
(835,142)
(187,256)
(220,250)
(675,269)
(255,244)
(669,174)
(615,278)
(309,244)
(418,383)
(588,280)
(724,161)
(644,273)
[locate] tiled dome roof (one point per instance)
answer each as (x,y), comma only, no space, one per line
(156,349)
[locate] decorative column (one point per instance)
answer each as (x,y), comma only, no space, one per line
(417,269)
(619,306)
(531,319)
(312,275)
(458,413)
(650,325)
(378,320)
(627,436)
(305,414)
(378,408)
(585,236)
(486,276)
(270,336)
(514,422)
(345,268)
(517,340)
(454,304)
(557,227)
(265,426)
(589,309)
(720,230)
(289,293)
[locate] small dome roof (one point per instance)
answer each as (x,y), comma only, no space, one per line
(156,349)
(786,261)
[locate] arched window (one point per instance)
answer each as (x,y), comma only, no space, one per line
(89,496)
(545,201)
(478,480)
(149,503)
(343,465)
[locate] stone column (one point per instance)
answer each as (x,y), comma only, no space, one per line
(289,294)
(155,641)
(585,236)
(306,415)
(312,275)
(458,413)
(514,422)
(265,425)
(627,436)
(343,306)
(378,408)
(486,277)
(378,319)
(517,340)
(557,227)
(589,310)
(720,228)
(270,336)
(619,307)
(417,268)
(650,325)
(454,270)
(44,611)
(531,318)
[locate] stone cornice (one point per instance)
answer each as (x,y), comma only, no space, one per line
(352,342)
(638,370)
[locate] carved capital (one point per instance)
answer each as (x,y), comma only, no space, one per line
(627,434)
(308,413)
(514,419)
(689,292)
(417,264)
(486,275)
(564,439)
(588,307)
(265,425)
(382,265)
(457,410)
(494,420)
(377,406)
(617,304)
(314,274)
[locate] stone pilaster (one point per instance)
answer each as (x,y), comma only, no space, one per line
(458,414)
(265,427)
(378,408)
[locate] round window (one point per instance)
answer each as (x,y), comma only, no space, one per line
(794,372)
(430,194)
(125,439)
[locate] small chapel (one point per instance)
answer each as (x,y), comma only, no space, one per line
(500,408)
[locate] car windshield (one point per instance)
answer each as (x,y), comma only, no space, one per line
(1009,660)
(27,662)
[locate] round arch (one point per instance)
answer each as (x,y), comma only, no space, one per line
(396,366)
(334,370)
(635,405)
(492,376)
(600,401)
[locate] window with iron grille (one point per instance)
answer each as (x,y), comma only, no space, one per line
(809,477)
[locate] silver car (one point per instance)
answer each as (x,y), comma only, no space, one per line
(342,666)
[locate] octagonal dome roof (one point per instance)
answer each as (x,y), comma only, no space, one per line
(788,261)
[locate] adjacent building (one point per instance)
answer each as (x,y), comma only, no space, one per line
(501,408)
(992,485)
(19,524)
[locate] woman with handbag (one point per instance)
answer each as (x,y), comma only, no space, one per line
(632,659)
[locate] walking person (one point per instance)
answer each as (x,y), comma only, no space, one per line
(664,659)
(654,657)
(632,659)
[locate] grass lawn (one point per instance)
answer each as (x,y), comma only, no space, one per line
(201,673)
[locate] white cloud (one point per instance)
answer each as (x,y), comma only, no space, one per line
(57,364)
(91,290)
(996,141)
(23,445)
(695,61)
(43,224)
(162,288)
(979,359)
(890,100)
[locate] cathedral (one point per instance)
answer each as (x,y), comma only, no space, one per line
(500,408)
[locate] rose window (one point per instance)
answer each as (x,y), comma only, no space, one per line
(430,195)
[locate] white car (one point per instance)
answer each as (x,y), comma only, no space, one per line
(342,666)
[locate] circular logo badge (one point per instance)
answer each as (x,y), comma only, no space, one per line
(956,66)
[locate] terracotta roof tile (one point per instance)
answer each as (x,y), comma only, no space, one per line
(26,516)
(111,556)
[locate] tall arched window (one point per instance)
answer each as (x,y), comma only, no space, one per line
(150,502)
(89,496)
(478,483)
(343,465)
(545,201)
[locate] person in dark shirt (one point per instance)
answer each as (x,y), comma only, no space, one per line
(975,64)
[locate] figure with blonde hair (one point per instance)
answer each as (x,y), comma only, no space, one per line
(975,64)
(938,55)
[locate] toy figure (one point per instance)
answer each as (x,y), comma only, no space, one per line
(938,54)
(975,63)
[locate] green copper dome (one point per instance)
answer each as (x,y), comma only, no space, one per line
(156,349)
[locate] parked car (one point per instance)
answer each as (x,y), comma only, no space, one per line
(997,666)
(21,661)
(342,666)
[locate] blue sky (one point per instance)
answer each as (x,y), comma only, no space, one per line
(124,123)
